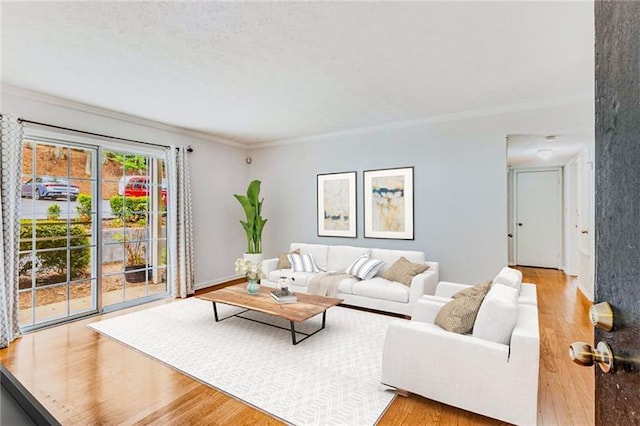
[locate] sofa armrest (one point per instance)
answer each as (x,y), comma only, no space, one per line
(416,353)
(269,265)
(426,309)
(424,283)
(448,289)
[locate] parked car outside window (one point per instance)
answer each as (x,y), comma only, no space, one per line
(49,187)
(138,186)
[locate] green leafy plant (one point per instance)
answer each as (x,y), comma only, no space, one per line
(129,209)
(84,207)
(137,163)
(53,211)
(253,226)
(53,235)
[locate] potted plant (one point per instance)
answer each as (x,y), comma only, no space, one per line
(135,259)
(253,226)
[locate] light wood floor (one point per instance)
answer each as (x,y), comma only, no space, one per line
(84,378)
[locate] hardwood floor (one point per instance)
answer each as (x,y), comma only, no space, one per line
(82,377)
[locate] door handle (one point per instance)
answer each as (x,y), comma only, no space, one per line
(601,316)
(519,223)
(583,354)
(584,231)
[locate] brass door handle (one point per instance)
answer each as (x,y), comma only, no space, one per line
(601,316)
(584,231)
(583,354)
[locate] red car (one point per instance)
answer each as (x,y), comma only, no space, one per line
(138,186)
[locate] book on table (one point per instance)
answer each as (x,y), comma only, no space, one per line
(281,296)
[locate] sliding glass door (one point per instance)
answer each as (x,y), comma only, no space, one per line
(134,241)
(93,228)
(58,249)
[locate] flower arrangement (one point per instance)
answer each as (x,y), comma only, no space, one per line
(251,270)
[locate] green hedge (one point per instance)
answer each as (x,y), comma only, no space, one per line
(50,235)
(130,209)
(84,207)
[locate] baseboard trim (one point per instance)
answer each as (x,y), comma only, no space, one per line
(25,399)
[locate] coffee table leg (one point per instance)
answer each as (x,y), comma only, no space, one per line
(293,333)
(215,311)
(324,317)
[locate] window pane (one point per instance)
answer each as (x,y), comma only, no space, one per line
(51,302)
(81,296)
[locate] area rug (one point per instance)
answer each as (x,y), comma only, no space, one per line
(332,378)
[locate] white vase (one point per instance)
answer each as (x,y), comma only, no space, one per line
(254,257)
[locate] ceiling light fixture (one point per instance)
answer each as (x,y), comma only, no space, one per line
(545,154)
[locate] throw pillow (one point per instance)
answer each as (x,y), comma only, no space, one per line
(476,290)
(364,267)
(283,261)
(459,315)
(302,263)
(403,271)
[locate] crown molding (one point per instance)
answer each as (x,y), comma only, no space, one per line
(443,118)
(104,112)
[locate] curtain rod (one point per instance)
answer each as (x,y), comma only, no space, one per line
(189,149)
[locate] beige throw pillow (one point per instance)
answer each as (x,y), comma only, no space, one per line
(459,315)
(477,290)
(403,271)
(283,260)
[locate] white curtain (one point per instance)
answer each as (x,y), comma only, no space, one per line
(180,222)
(10,173)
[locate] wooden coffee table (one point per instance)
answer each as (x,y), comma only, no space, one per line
(308,306)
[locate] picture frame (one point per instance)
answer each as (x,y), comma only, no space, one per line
(336,201)
(388,203)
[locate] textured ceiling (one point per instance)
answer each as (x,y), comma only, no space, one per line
(522,149)
(259,72)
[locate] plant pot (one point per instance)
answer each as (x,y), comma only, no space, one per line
(141,274)
(254,257)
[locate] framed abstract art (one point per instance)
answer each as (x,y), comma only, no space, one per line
(337,205)
(388,203)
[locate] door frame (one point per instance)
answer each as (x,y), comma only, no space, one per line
(514,209)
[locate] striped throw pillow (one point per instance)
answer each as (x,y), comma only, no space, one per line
(302,263)
(364,267)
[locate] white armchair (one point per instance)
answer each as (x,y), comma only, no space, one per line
(493,379)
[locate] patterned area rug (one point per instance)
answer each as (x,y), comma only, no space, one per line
(331,378)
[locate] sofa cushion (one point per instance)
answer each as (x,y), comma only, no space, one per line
(389,257)
(403,271)
(380,288)
(364,267)
(509,277)
(301,279)
(318,251)
(497,315)
(459,315)
(283,260)
(302,263)
(346,285)
(340,257)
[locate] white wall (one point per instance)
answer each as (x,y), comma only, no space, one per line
(217,171)
(460,185)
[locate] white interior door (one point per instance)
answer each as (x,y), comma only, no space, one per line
(539,217)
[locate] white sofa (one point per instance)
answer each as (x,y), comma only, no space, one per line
(376,293)
(470,371)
